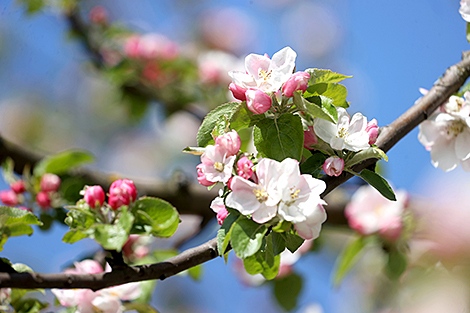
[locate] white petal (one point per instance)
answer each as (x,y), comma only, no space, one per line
(337,143)
(358,123)
(462,145)
(325,130)
(357,141)
(443,154)
(255,62)
(264,214)
(242,79)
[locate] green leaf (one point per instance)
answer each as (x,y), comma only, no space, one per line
(139,307)
(242,117)
(313,165)
(29,305)
(337,92)
(157,214)
(280,138)
(369,153)
(320,107)
(73,236)
(247,237)
(204,136)
(293,241)
(324,76)
(18,230)
(279,243)
(396,265)
(224,233)
(195,272)
(32,6)
(62,162)
(12,215)
(287,290)
(22,268)
(126,220)
(194,150)
(348,257)
(379,183)
(468,32)
(110,237)
(259,263)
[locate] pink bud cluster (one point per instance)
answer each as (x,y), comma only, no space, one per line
(49,185)
(11,196)
(135,247)
(122,192)
(150,47)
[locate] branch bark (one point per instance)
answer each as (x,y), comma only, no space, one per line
(452,80)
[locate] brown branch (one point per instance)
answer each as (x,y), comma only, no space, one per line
(452,80)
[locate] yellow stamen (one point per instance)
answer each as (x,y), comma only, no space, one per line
(260,194)
(219,166)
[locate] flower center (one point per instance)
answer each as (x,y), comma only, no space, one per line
(219,166)
(264,75)
(294,194)
(342,132)
(455,128)
(260,194)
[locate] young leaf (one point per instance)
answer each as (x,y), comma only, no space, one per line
(242,117)
(204,136)
(62,162)
(287,290)
(320,107)
(337,92)
(110,237)
(313,165)
(139,307)
(293,241)
(468,32)
(379,183)
(224,233)
(247,237)
(13,215)
(324,76)
(73,236)
(279,138)
(160,215)
(347,258)
(396,265)
(263,262)
(29,305)
(279,243)
(369,153)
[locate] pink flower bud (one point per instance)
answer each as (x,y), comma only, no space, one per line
(333,166)
(122,192)
(230,141)
(43,200)
(18,186)
(98,15)
(50,182)
(310,138)
(298,81)
(244,167)
(201,177)
(221,215)
(9,197)
(94,196)
(131,47)
(229,183)
(237,91)
(257,101)
(373,130)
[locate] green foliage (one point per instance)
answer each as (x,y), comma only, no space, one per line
(62,162)
(225,232)
(247,237)
(324,76)
(204,136)
(396,263)
(263,262)
(336,92)
(32,6)
(369,153)
(155,217)
(313,165)
(15,222)
(139,307)
(279,138)
(348,258)
(28,305)
(317,106)
(468,32)
(287,290)
(293,241)
(379,183)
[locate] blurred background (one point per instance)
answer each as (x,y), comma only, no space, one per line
(53,98)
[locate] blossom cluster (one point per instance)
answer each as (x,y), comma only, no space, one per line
(107,300)
(121,192)
(446,134)
(45,197)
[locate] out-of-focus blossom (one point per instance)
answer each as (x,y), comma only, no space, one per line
(347,134)
(370,213)
(373,130)
(150,46)
(298,81)
(151,72)
(94,196)
(50,182)
(333,166)
(214,65)
(136,247)
(98,15)
(245,167)
(122,192)
(216,164)
(310,138)
(18,186)
(5,298)
(9,197)
(106,300)
(257,101)
(446,134)
(43,199)
(465,10)
(230,141)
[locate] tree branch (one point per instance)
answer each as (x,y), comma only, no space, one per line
(452,80)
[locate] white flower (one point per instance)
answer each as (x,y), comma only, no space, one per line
(216,164)
(310,228)
(260,199)
(465,10)
(264,73)
(347,134)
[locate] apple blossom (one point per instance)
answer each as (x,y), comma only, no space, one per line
(43,199)
(216,164)
(237,91)
(9,197)
(214,65)
(257,101)
(333,166)
(50,182)
(122,192)
(230,141)
(347,134)
(265,74)
(217,205)
(373,130)
(369,213)
(465,10)
(310,228)
(201,178)
(310,138)
(18,186)
(244,167)
(94,196)
(298,81)
(258,199)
